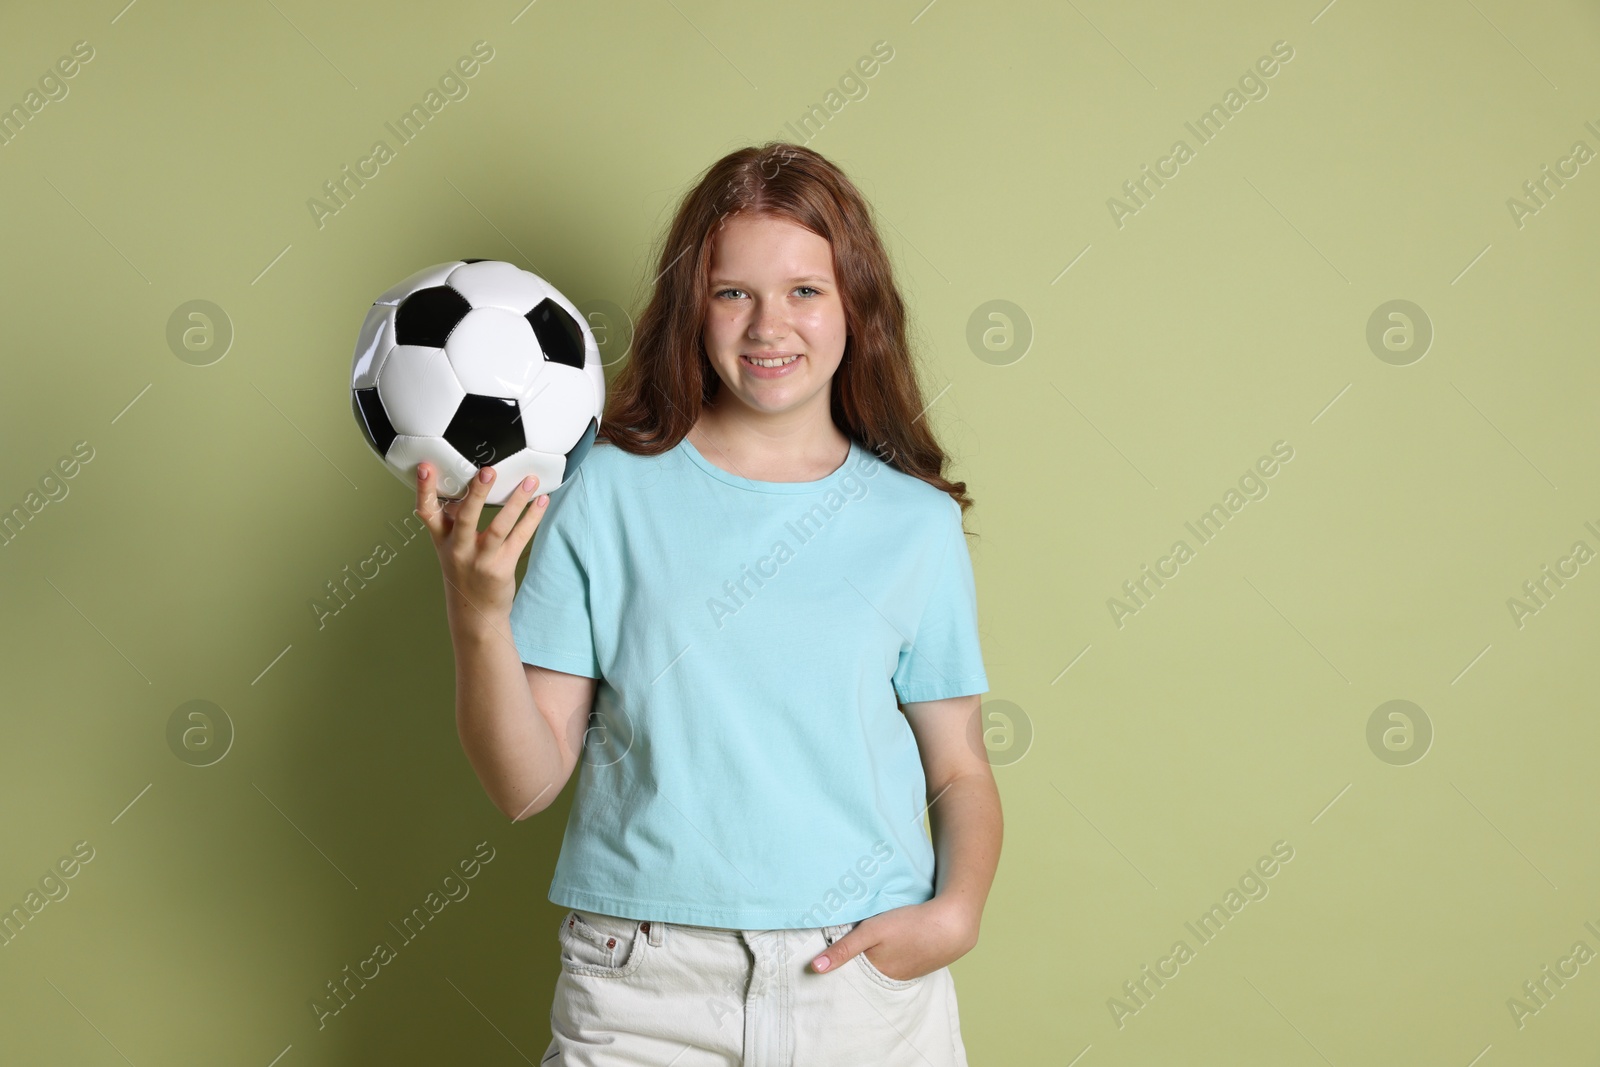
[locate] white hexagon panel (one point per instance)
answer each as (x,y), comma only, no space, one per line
(477,363)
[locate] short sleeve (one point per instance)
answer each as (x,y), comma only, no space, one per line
(945,658)
(550,620)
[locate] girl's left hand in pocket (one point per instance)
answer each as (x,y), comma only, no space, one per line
(907,942)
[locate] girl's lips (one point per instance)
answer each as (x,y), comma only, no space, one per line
(759,371)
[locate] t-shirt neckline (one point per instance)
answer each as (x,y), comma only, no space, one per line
(825,482)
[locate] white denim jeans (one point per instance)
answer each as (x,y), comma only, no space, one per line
(633,993)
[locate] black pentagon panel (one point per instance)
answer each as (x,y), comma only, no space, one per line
(427,316)
(486,429)
(474,261)
(373,419)
(560,336)
(579,450)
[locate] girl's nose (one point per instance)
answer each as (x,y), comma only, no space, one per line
(768,322)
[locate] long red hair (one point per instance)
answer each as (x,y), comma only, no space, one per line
(875,398)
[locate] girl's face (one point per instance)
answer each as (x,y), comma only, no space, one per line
(773,296)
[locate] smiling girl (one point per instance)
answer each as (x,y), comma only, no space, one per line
(752,618)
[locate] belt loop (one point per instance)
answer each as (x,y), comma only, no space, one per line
(655,929)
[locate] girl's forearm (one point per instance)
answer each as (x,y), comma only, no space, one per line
(967,829)
(508,742)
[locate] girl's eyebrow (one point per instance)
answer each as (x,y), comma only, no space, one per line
(791,281)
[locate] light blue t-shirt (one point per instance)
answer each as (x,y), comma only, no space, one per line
(746,764)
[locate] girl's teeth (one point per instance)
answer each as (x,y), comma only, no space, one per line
(771,362)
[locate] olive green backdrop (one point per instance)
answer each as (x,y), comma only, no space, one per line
(1105,365)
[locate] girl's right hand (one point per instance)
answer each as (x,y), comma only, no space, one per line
(479,568)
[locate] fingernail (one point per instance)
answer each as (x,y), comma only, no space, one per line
(527,484)
(820,963)
(544,500)
(485,474)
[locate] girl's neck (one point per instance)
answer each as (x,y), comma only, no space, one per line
(770,450)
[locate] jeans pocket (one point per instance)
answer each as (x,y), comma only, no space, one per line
(884,980)
(600,945)
(832,934)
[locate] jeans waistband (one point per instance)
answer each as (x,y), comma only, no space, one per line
(657,931)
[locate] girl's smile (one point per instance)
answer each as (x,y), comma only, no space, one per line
(769,365)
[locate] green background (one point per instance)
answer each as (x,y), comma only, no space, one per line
(1167,753)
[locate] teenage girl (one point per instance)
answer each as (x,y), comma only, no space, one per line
(752,618)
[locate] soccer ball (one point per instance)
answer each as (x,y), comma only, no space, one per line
(478,363)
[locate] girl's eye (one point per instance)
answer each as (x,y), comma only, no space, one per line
(798,288)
